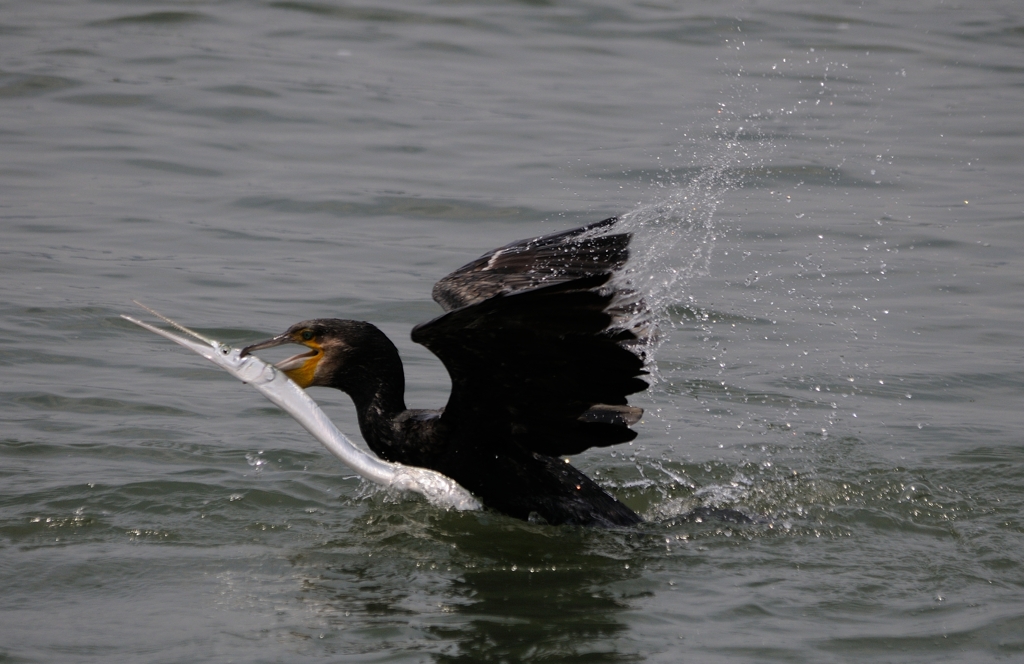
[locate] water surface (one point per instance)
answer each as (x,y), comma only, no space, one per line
(827,207)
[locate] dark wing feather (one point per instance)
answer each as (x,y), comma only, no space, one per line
(539,261)
(543,368)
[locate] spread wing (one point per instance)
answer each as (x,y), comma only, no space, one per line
(539,261)
(537,347)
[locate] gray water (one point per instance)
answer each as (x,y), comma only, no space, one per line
(827,205)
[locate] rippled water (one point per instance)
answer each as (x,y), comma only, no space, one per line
(827,206)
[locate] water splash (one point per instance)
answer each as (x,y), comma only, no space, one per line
(257,460)
(673,241)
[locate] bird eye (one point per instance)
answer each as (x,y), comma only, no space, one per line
(307,335)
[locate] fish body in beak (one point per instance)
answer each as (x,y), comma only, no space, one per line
(301,367)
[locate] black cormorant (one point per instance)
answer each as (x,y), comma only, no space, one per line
(543,345)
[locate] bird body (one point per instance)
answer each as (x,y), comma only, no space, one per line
(542,346)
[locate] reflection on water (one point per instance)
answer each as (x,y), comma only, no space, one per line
(476,588)
(543,614)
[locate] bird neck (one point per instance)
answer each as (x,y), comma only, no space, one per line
(378,392)
(377,409)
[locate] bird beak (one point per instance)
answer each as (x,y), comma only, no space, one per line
(279,340)
(300,368)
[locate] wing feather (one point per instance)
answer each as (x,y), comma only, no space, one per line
(542,367)
(539,261)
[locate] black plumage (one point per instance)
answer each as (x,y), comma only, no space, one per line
(541,343)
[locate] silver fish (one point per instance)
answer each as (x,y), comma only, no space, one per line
(440,490)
